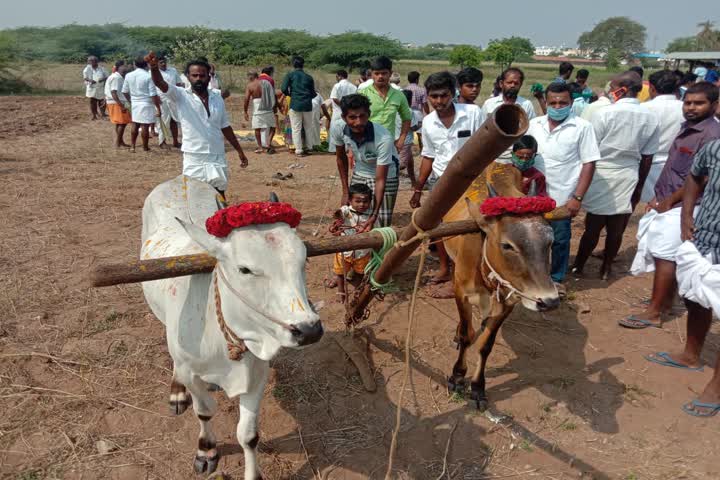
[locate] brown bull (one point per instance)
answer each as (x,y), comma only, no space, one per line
(509,262)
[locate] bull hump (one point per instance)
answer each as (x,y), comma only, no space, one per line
(506,180)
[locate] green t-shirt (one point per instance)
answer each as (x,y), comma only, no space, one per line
(384,110)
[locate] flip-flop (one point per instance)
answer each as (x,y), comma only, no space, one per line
(636,323)
(714,408)
(666,361)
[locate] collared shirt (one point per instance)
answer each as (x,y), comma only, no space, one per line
(419,96)
(559,80)
(562,153)
(492,104)
(339,90)
(140,86)
(668,110)
(370,81)
(707,222)
(441,143)
(114,82)
(625,132)
(578,106)
(598,104)
(301,88)
(688,142)
(98,74)
(384,110)
(201,133)
(171,76)
(376,148)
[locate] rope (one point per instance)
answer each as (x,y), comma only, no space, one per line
(389,240)
(235,345)
(421,234)
(494,276)
(424,237)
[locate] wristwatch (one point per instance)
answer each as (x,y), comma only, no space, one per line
(579,198)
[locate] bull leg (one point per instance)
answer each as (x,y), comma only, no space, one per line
(180,400)
(463,337)
(207,457)
(487,340)
(247,433)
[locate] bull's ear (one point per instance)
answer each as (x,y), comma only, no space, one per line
(559,213)
(211,243)
(476,215)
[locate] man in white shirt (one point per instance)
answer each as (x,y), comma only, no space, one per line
(567,152)
(511,81)
(144,100)
(340,89)
(94,77)
(444,131)
(668,109)
(204,123)
(167,118)
(628,135)
(119,114)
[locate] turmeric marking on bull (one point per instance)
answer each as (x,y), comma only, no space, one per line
(171,264)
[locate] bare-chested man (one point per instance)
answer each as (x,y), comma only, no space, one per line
(262,95)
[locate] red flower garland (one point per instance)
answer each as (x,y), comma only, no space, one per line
(495,206)
(251,213)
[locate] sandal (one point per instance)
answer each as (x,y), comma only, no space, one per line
(636,323)
(663,358)
(691,408)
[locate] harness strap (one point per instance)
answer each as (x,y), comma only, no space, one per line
(235,345)
(494,276)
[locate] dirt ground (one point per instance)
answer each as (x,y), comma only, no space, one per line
(80,366)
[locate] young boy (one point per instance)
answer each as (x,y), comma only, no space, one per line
(523,158)
(469,83)
(444,132)
(347,219)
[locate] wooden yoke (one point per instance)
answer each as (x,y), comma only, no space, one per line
(507,124)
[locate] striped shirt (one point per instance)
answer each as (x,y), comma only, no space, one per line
(707,223)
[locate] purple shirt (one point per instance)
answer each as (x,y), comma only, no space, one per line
(680,158)
(419,96)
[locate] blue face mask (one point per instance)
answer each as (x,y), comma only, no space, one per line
(559,114)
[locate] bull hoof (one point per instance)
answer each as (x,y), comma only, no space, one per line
(456,385)
(179,403)
(206,465)
(480,399)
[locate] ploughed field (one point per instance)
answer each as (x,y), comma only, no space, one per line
(84,373)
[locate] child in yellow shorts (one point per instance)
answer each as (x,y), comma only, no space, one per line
(347,219)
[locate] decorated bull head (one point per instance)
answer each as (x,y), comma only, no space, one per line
(261,275)
(517,244)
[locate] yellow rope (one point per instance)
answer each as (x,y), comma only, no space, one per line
(421,235)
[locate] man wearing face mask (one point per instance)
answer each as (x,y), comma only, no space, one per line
(628,136)
(204,123)
(567,152)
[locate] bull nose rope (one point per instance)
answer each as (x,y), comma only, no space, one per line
(494,276)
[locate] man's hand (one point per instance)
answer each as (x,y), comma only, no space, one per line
(687,229)
(573,207)
(664,206)
(345,199)
(367,226)
(247,117)
(151,59)
(415,199)
(400,143)
(635,199)
(243,159)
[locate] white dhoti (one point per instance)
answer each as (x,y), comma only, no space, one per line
(207,167)
(648,192)
(658,237)
(262,118)
(96,91)
(698,279)
(611,189)
(143,113)
(162,123)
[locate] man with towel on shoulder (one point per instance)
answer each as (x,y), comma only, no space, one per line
(262,94)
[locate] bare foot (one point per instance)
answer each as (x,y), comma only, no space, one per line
(439,277)
(330,283)
(707,404)
(341,297)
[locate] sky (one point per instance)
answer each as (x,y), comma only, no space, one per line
(545,22)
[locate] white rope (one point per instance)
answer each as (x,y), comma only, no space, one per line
(494,276)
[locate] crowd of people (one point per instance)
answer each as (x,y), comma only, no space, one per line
(605,151)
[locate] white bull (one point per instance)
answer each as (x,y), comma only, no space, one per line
(260,278)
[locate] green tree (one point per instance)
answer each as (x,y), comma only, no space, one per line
(682,44)
(621,35)
(200,42)
(505,51)
(465,56)
(353,49)
(707,39)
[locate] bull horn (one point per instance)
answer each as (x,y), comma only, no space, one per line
(532,192)
(220,201)
(491,191)
(274,197)
(559,213)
